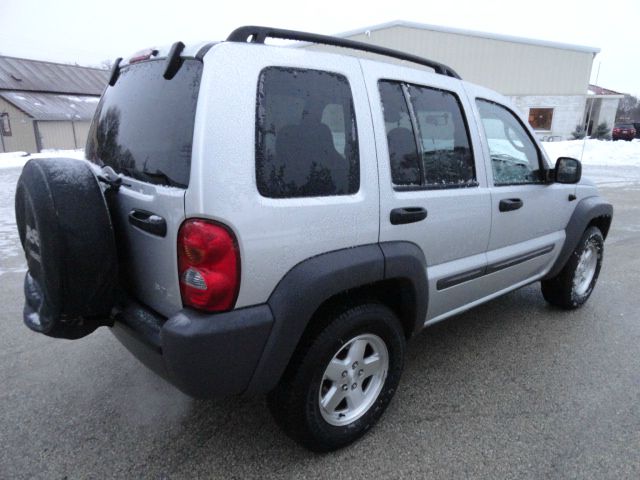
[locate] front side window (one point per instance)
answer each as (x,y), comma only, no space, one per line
(514,157)
(427,137)
(541,118)
(306,140)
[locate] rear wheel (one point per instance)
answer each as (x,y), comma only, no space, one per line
(339,382)
(572,287)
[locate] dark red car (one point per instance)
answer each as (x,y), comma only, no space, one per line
(624,131)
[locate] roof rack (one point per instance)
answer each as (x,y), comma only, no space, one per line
(254,34)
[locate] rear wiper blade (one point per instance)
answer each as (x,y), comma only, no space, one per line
(160,175)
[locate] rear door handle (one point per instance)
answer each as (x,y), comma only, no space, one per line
(509,204)
(149,222)
(403,215)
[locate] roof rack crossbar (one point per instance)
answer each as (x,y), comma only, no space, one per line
(255,34)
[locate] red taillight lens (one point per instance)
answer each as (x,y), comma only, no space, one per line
(208,266)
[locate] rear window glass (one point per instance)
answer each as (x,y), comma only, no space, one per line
(143,126)
(306,142)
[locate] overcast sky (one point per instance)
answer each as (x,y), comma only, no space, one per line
(89,31)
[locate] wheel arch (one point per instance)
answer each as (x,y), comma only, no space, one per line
(590,211)
(392,273)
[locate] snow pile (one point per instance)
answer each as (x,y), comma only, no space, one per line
(597,152)
(18,159)
(605,162)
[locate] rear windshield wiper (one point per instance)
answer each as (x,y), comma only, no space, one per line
(160,176)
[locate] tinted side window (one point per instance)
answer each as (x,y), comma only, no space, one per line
(403,150)
(446,150)
(306,140)
(514,156)
(427,136)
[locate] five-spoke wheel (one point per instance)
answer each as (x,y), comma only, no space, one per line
(342,377)
(353,379)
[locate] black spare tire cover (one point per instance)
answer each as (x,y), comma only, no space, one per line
(67,235)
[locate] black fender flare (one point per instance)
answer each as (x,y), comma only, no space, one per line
(585,212)
(310,283)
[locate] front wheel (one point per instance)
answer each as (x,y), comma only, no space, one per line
(339,383)
(572,287)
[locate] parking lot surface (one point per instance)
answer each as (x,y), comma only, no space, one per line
(511,389)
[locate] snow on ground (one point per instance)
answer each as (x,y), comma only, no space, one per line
(10,250)
(597,152)
(10,167)
(604,162)
(18,159)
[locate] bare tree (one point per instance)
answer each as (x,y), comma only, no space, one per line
(628,109)
(106,64)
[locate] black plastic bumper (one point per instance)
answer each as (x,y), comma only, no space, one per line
(204,355)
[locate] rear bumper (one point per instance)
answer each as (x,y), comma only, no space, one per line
(204,355)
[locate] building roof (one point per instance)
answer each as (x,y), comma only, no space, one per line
(21,74)
(471,33)
(601,91)
(53,106)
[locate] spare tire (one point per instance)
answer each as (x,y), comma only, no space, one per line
(67,235)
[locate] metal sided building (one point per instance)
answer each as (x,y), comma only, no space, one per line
(45,105)
(547,81)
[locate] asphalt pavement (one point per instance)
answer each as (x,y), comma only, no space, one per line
(511,389)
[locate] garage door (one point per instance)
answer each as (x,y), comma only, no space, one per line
(56,135)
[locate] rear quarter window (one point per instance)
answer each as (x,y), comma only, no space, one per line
(306,136)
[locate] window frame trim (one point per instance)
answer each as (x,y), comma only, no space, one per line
(541,164)
(404,85)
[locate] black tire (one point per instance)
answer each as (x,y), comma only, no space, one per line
(295,401)
(562,290)
(66,232)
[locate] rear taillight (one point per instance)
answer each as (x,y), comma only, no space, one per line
(208,266)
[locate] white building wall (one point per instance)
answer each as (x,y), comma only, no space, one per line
(608,109)
(81,130)
(23,138)
(568,111)
(510,67)
(533,73)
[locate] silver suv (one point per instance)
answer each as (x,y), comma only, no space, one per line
(265,219)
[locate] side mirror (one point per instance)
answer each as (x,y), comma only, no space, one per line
(568,170)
